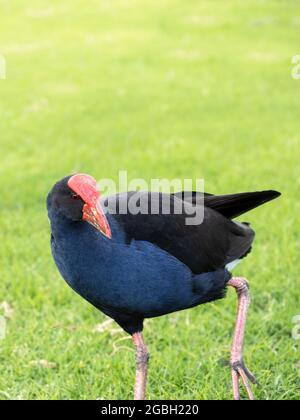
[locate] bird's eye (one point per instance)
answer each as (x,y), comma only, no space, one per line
(76,197)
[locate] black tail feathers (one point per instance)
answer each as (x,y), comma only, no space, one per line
(234,205)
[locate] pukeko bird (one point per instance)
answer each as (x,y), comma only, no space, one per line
(137,266)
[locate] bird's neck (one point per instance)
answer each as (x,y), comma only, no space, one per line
(65,230)
(60,225)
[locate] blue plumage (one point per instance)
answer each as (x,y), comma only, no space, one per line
(127,281)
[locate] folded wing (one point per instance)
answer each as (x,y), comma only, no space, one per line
(206,247)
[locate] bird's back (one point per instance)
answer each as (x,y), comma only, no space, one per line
(207,246)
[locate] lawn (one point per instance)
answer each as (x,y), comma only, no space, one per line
(162,89)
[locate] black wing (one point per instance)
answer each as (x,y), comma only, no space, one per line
(204,247)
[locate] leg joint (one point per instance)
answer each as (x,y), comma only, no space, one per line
(236,365)
(240,284)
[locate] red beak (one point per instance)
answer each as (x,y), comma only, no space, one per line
(86,187)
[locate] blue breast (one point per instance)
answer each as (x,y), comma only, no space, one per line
(131,278)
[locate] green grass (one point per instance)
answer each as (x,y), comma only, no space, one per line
(161,88)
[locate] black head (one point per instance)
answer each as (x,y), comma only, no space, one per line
(64,201)
(77,199)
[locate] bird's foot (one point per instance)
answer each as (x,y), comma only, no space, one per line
(239,372)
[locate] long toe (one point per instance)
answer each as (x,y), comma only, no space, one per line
(240,373)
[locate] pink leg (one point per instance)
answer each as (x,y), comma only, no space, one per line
(142,358)
(239,370)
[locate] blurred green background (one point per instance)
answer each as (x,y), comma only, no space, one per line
(160,88)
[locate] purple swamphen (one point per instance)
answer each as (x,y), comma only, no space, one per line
(137,266)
